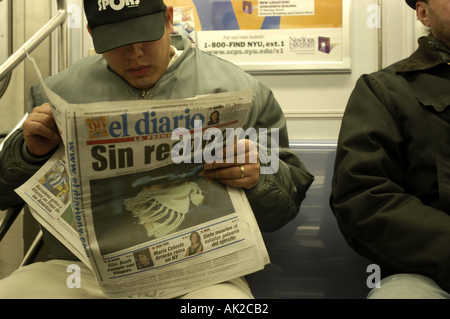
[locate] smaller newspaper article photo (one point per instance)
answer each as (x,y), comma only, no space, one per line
(48,196)
(127,194)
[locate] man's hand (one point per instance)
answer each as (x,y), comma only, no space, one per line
(240,170)
(40,131)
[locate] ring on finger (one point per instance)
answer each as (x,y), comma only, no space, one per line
(242,171)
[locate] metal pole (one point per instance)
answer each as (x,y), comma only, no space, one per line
(17,57)
(380,37)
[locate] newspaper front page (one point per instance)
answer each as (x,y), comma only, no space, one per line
(126,193)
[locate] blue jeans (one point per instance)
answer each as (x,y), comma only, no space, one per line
(408,286)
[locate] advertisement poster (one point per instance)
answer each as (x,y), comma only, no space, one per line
(270,36)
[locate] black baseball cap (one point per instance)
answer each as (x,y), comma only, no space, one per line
(115,23)
(412,3)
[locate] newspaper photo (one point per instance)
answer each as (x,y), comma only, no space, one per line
(127,194)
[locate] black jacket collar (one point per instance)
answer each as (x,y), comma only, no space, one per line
(424,58)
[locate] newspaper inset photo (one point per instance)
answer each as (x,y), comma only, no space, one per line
(133,209)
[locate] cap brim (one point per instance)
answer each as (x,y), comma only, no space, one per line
(147,28)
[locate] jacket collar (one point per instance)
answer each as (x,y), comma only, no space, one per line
(424,58)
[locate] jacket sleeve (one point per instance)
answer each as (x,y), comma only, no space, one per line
(375,213)
(277,197)
(14,170)
(16,166)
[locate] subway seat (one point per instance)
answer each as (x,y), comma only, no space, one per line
(309,256)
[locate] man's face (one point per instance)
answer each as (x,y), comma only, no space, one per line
(142,64)
(437,17)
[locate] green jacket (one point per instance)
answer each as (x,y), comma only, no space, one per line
(275,199)
(391,185)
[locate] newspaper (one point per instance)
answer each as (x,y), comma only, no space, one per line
(126,193)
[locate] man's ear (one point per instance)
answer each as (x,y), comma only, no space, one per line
(169,15)
(422,13)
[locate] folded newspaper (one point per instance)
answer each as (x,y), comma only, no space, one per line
(125,192)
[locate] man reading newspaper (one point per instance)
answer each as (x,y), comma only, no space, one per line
(140,59)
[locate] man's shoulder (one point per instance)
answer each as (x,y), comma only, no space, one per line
(208,59)
(197,72)
(390,70)
(385,76)
(87,80)
(92,64)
